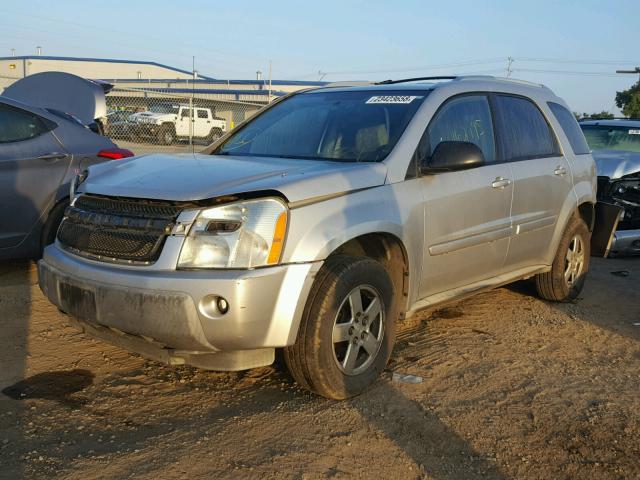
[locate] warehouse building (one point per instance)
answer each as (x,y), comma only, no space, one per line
(151,76)
(141,85)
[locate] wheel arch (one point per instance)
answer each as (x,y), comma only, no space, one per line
(387,249)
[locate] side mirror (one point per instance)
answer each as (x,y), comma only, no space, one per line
(451,156)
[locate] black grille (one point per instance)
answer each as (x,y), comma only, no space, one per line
(117,229)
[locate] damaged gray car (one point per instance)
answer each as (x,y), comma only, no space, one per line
(45,140)
(615,147)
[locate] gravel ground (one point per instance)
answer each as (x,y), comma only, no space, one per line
(513,388)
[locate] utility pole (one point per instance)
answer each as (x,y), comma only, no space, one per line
(510,61)
(193,86)
(13,52)
(635,70)
(269,81)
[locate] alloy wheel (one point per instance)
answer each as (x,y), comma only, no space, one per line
(574,260)
(358,330)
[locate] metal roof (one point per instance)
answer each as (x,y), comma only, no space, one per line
(104,60)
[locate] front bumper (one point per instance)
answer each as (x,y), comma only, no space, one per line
(167,309)
(145,129)
(626,242)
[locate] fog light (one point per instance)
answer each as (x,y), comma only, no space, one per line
(223,305)
(213,306)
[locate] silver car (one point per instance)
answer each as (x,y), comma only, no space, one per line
(615,145)
(323,221)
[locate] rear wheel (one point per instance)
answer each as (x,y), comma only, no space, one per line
(214,135)
(570,266)
(347,331)
(50,228)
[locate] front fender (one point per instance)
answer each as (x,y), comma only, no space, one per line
(318,229)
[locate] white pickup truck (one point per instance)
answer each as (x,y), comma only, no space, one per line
(168,123)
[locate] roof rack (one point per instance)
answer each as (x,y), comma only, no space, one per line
(405,80)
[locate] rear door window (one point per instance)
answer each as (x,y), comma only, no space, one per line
(523,131)
(465,119)
(203,113)
(17,125)
(570,128)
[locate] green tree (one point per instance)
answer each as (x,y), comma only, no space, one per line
(600,116)
(629,101)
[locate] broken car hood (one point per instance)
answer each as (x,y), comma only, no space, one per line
(198,177)
(82,98)
(616,163)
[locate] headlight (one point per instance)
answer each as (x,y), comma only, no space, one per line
(239,235)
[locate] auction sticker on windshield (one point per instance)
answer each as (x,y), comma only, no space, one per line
(392,99)
(634,132)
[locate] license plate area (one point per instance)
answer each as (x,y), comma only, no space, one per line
(78,302)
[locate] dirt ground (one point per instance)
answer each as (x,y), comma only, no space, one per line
(513,388)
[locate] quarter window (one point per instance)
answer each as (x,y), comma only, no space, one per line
(464,119)
(524,132)
(570,128)
(17,125)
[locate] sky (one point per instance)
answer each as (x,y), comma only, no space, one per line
(573,47)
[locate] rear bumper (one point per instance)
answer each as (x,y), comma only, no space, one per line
(171,310)
(626,242)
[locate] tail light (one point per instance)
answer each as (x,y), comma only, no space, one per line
(115,153)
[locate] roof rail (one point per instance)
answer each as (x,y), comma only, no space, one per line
(586,119)
(415,79)
(347,83)
(521,82)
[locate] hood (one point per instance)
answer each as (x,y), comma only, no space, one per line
(153,114)
(82,98)
(616,163)
(197,177)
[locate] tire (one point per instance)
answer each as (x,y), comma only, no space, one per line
(214,135)
(50,228)
(347,367)
(166,135)
(568,273)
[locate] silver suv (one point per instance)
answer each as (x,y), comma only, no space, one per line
(320,223)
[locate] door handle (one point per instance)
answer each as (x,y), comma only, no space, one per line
(52,156)
(500,182)
(560,171)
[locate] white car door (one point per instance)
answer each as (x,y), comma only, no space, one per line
(202,122)
(182,124)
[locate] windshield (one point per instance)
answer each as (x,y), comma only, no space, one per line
(346,126)
(163,109)
(606,137)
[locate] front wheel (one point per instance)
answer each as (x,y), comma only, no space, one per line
(568,272)
(347,331)
(166,135)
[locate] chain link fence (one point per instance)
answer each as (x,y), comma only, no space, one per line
(146,120)
(155,120)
